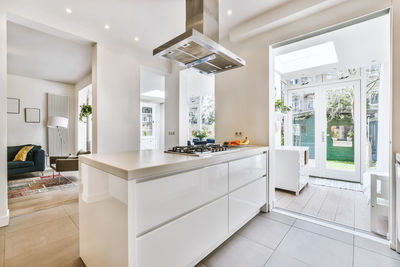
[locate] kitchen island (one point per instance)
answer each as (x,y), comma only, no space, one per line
(150,208)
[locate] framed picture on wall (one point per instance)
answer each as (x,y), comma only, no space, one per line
(12,105)
(32,115)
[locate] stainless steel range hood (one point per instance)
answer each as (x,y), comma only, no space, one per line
(198,47)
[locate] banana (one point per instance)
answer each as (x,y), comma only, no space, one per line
(245,141)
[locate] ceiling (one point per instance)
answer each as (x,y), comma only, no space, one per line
(153,21)
(39,55)
(358,45)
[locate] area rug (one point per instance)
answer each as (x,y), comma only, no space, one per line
(36,185)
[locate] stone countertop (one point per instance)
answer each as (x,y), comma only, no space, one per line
(153,163)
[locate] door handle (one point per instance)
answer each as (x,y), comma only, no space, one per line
(323,136)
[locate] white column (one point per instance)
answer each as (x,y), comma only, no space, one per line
(4,213)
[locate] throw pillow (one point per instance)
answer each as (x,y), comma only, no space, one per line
(22,153)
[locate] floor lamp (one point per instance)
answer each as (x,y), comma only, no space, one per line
(58,122)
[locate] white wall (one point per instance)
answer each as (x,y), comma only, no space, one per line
(172,107)
(33,94)
(241,98)
(118,96)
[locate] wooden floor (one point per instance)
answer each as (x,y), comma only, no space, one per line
(347,207)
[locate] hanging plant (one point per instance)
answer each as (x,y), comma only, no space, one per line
(86,111)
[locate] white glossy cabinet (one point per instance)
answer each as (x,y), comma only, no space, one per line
(243,171)
(246,202)
(170,220)
(183,241)
(163,199)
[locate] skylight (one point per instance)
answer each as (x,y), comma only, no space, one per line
(154,93)
(306,58)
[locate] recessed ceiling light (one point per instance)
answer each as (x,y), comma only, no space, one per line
(68,10)
(136,39)
(107,27)
(229,12)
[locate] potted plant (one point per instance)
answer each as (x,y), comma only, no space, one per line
(335,135)
(201,134)
(350,136)
(86,111)
(281,109)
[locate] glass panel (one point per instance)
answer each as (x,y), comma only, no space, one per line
(147,121)
(340,128)
(303,122)
(373,85)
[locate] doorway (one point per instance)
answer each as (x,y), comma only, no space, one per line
(152,108)
(331,126)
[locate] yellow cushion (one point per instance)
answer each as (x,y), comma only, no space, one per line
(22,153)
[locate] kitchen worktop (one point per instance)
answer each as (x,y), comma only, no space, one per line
(150,163)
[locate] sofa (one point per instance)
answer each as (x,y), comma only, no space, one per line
(35,161)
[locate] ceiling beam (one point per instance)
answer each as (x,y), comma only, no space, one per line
(279,16)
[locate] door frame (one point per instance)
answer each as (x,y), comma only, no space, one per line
(321,169)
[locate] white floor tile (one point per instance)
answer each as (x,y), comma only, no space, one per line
(366,258)
(375,247)
(316,250)
(238,252)
(265,231)
(278,217)
(325,231)
(283,260)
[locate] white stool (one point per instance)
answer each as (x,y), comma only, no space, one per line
(379,203)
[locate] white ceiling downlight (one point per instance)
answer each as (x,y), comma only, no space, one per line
(310,57)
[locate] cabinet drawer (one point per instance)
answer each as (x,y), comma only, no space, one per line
(182,241)
(166,198)
(243,171)
(245,202)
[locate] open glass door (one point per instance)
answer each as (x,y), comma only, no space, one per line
(326,119)
(340,131)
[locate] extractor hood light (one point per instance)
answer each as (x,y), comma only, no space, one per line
(107,27)
(186,45)
(68,11)
(229,12)
(136,39)
(154,93)
(306,58)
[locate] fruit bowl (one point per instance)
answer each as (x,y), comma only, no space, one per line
(236,143)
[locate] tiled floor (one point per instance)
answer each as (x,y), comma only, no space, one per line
(274,239)
(347,207)
(50,238)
